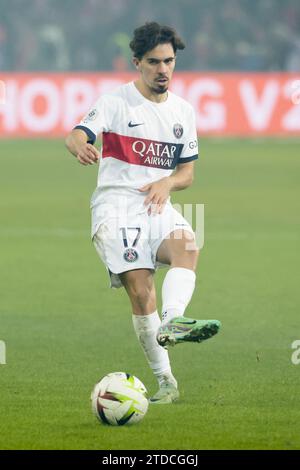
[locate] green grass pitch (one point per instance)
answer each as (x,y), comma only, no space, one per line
(64,328)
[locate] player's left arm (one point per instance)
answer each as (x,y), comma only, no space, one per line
(183,176)
(159,191)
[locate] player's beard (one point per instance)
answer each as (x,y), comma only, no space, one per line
(159,89)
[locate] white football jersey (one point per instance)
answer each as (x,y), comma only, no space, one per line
(142,142)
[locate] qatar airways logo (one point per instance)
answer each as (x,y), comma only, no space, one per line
(157,154)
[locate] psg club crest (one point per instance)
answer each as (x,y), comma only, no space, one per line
(130,255)
(178,130)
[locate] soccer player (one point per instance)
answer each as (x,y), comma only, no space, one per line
(147,132)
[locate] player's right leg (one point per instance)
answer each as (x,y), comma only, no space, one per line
(126,254)
(140,288)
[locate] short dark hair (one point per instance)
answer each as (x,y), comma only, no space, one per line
(148,36)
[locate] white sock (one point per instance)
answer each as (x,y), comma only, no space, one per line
(177,291)
(146,327)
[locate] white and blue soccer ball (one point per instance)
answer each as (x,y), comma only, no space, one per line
(119,399)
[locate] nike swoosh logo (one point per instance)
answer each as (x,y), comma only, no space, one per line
(135,125)
(187,323)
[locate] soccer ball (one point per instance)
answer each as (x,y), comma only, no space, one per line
(119,399)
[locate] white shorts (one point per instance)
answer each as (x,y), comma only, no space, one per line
(125,245)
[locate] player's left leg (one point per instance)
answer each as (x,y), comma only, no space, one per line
(179,250)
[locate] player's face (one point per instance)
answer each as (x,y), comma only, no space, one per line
(156,68)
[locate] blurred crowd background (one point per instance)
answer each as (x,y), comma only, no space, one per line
(92,35)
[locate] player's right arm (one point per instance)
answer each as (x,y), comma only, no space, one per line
(77,144)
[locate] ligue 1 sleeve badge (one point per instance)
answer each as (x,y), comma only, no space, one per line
(91,116)
(130,255)
(178,130)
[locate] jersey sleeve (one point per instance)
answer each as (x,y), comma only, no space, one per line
(97,120)
(190,143)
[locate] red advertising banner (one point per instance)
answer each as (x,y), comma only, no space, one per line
(226,104)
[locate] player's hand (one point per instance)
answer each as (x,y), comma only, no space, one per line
(158,195)
(88,154)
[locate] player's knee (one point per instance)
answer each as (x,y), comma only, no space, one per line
(188,247)
(140,293)
(193,253)
(186,257)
